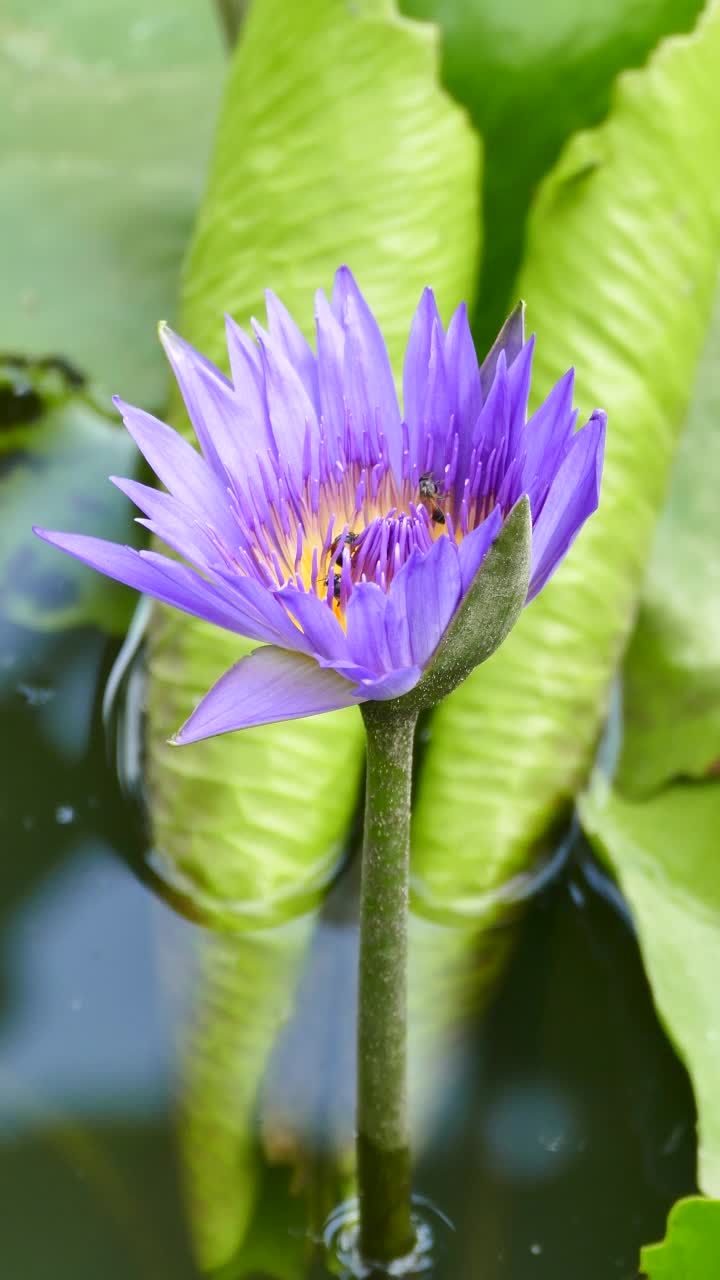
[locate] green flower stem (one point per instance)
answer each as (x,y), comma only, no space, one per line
(383,1153)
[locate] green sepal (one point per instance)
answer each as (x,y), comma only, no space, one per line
(510,339)
(487,613)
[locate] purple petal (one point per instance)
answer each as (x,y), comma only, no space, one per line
(249,384)
(519,376)
(436,407)
(573,496)
(292,413)
(208,397)
(167,580)
(169,520)
(417,364)
(325,636)
(475,546)
(331,360)
(510,340)
(391,685)
(493,424)
(365,617)
(428,587)
(463,378)
(547,437)
(270,684)
(182,470)
(287,338)
(397,626)
(369,385)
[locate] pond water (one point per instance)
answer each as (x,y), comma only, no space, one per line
(169,1094)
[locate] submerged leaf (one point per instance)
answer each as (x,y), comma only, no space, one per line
(57,449)
(107,119)
(664,854)
(623,249)
(245,992)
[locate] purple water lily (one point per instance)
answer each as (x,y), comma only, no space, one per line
(322,521)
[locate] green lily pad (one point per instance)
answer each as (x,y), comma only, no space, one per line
(57,449)
(664,854)
(106,123)
(691,1248)
(330,115)
(622,255)
(531,75)
(672,667)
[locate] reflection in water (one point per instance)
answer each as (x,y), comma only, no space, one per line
(554,1127)
(63,1039)
(551,1121)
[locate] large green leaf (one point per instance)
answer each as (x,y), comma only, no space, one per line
(104,130)
(672,668)
(57,448)
(664,854)
(622,255)
(531,75)
(335,144)
(691,1248)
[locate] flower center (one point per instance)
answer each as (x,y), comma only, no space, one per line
(352,521)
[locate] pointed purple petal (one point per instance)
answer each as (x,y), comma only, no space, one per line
(230,431)
(167,580)
(178,466)
(287,338)
(368,380)
(249,384)
(171,521)
(463,378)
(331,361)
(475,546)
(428,587)
(493,424)
(519,376)
(292,414)
(270,684)
(417,364)
(546,438)
(188,365)
(436,406)
(573,496)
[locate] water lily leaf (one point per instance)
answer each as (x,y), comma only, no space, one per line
(664,854)
(672,667)
(105,129)
(622,254)
(531,75)
(330,115)
(691,1247)
(57,449)
(245,991)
